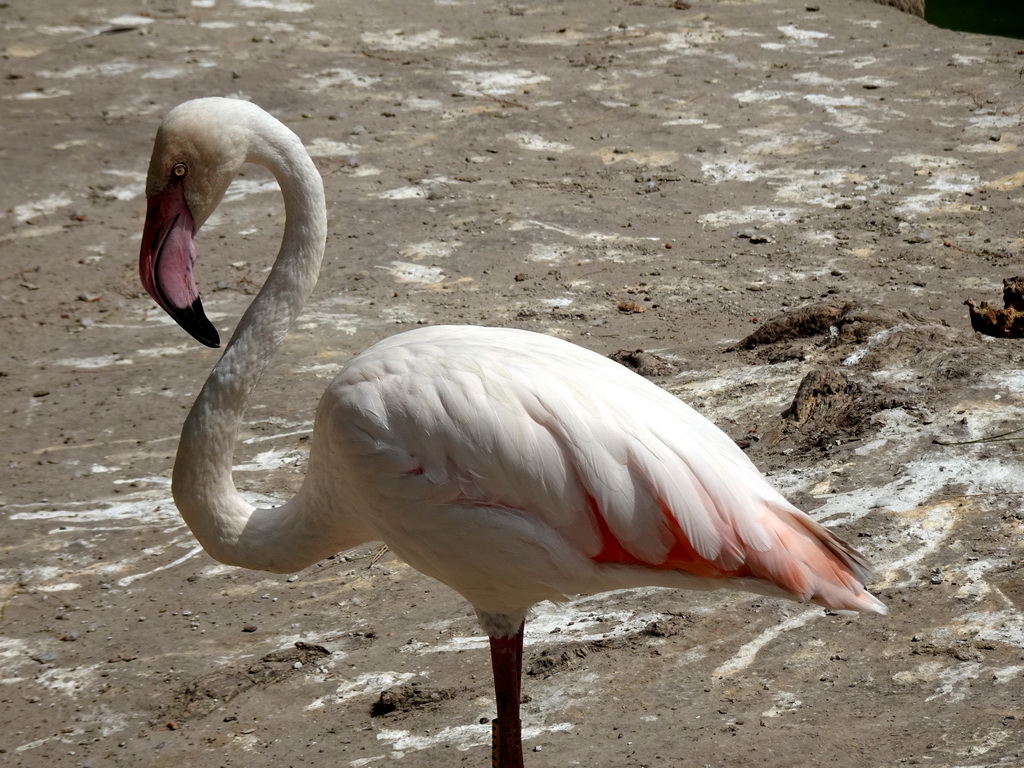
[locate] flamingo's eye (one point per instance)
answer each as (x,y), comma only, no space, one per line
(180,170)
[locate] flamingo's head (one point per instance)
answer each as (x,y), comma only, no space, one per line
(199,149)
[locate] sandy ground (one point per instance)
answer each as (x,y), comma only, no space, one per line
(628,175)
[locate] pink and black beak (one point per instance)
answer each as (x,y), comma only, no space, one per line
(166,260)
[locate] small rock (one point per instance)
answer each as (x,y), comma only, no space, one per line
(1007,323)
(644,363)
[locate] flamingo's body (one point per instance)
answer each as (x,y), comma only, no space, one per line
(512,466)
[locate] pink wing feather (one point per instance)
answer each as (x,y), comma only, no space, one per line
(622,470)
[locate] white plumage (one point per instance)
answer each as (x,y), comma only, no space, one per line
(512,466)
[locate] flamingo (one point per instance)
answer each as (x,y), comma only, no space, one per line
(512,466)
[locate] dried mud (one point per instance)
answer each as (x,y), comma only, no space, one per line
(558,167)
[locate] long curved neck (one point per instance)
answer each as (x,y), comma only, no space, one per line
(229,528)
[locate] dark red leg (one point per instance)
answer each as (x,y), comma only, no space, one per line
(507,663)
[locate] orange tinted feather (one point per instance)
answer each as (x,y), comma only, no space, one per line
(681,557)
(805,559)
(612,550)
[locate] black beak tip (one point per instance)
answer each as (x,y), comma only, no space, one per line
(213,342)
(194,320)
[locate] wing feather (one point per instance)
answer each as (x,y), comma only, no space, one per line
(616,466)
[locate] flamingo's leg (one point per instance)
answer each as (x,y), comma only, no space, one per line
(507,663)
